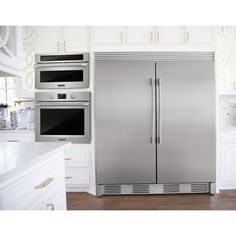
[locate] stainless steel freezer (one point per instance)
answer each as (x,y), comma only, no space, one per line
(155,123)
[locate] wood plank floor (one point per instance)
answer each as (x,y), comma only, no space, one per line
(225,200)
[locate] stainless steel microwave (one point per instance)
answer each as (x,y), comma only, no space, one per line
(62,71)
(63,116)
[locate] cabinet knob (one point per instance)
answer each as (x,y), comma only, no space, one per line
(50,207)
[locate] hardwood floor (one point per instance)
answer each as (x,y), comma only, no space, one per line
(225,200)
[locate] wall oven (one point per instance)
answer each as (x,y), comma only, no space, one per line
(61,71)
(63,117)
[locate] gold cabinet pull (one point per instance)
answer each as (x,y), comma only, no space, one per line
(158,36)
(58,46)
(68,177)
(121,37)
(151,37)
(50,207)
(187,34)
(68,158)
(64,46)
(44,184)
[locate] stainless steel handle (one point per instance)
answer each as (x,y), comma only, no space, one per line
(56,103)
(159,140)
(59,64)
(153,84)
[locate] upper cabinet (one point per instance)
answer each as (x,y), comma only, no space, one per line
(153,35)
(199,34)
(169,34)
(75,38)
(10,50)
(140,35)
(49,39)
(108,34)
(61,39)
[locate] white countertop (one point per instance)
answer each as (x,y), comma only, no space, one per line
(19,156)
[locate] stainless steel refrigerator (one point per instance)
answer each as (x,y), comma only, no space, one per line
(155,123)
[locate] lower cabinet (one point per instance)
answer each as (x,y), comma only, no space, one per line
(41,188)
(78,168)
(227,160)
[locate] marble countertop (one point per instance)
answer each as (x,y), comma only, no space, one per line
(19,156)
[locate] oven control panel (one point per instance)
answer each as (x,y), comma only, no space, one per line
(59,96)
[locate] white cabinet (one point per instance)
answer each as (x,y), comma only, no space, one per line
(108,34)
(40,187)
(49,39)
(10,50)
(199,34)
(60,39)
(169,34)
(140,34)
(227,160)
(78,168)
(75,38)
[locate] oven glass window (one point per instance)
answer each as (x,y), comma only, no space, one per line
(61,76)
(62,121)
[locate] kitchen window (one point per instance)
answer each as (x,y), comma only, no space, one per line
(7,89)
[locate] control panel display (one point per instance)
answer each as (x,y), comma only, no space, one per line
(61,96)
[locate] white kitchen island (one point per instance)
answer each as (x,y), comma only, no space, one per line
(32,176)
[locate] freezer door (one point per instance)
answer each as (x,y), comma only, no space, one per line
(124,122)
(186,150)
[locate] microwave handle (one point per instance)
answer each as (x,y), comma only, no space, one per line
(60,65)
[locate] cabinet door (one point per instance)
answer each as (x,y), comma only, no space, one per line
(228,164)
(108,34)
(199,34)
(75,38)
(140,34)
(49,39)
(169,34)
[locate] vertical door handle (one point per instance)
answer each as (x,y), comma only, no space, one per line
(121,37)
(187,34)
(159,140)
(58,46)
(151,36)
(153,84)
(64,46)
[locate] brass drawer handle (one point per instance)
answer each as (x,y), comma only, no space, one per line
(50,207)
(68,158)
(44,183)
(68,177)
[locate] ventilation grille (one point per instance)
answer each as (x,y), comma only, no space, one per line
(199,188)
(140,188)
(112,189)
(155,56)
(170,188)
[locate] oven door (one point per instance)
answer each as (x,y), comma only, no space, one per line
(63,121)
(62,75)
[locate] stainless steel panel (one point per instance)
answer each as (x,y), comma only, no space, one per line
(187,152)
(123,122)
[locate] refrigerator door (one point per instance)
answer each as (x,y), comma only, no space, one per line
(125,122)
(186,149)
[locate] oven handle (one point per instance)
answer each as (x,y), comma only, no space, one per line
(53,104)
(60,65)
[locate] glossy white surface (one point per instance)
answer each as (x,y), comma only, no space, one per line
(17,157)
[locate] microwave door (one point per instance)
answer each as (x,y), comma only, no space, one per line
(62,76)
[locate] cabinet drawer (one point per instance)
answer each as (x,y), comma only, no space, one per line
(77,158)
(33,186)
(16,137)
(228,137)
(77,176)
(55,200)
